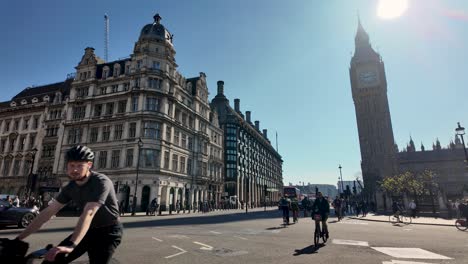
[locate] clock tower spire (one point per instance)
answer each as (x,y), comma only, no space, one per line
(369,90)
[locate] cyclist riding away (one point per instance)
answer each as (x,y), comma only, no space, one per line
(295,209)
(337,205)
(98,230)
(285,203)
(322,208)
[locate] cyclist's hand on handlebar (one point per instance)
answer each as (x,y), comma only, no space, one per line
(52,253)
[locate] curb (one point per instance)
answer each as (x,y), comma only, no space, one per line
(385,221)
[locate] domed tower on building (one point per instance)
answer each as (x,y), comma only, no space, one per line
(369,90)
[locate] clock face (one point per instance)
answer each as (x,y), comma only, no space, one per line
(368,77)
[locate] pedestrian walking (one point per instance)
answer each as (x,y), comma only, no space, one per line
(412,206)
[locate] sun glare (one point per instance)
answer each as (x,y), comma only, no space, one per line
(389,9)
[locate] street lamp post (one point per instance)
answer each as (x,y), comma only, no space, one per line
(140,144)
(341,176)
(30,176)
(461,131)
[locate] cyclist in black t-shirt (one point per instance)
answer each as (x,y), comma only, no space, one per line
(98,230)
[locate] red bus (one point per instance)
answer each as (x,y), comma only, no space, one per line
(292,192)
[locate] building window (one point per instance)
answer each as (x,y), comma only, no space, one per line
(82,92)
(102,162)
(114,88)
(16,167)
(134,103)
(32,141)
(150,158)
(177,137)
(182,164)
(152,104)
(137,82)
(190,143)
(12,144)
(7,127)
(94,134)
(110,108)
(156,65)
(3,145)
(184,141)
(132,130)
(6,167)
(104,74)
(102,90)
(127,69)
(115,158)
(168,133)
(98,110)
(48,151)
(166,160)
(152,130)
(189,166)
(122,106)
(22,143)
(15,125)
(26,124)
(74,136)
(154,83)
(169,109)
(106,133)
(79,112)
(129,158)
(118,131)
(139,64)
(175,161)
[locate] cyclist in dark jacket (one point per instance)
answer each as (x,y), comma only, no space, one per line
(321,207)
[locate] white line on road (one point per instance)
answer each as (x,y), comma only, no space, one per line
(157,239)
(411,253)
(241,237)
(177,254)
(403,262)
(350,242)
(407,229)
(179,236)
(204,246)
(214,232)
(352,223)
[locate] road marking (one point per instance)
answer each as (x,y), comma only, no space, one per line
(177,254)
(412,253)
(353,223)
(241,237)
(214,232)
(403,262)
(204,246)
(275,231)
(350,242)
(157,239)
(407,229)
(179,236)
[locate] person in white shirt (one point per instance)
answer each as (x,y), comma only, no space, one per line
(412,207)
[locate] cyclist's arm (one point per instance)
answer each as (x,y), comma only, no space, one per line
(84,222)
(42,218)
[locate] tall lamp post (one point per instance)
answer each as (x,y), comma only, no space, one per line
(30,176)
(461,131)
(140,144)
(341,176)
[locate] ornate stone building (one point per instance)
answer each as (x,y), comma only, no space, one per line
(253,166)
(141,117)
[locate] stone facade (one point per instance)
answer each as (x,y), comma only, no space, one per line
(251,162)
(140,116)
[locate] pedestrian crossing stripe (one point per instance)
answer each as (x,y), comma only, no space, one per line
(410,253)
(350,242)
(404,262)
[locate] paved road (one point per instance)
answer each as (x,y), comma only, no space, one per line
(257,238)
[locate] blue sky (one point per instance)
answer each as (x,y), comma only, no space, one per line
(287,61)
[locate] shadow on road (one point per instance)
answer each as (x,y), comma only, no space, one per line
(307,250)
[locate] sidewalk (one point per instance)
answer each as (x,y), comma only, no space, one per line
(415,221)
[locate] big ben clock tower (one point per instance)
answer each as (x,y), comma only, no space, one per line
(369,90)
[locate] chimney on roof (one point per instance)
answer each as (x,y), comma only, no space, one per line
(247,114)
(220,87)
(257,125)
(236,105)
(265,133)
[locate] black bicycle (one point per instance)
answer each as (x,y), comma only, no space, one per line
(14,251)
(318,233)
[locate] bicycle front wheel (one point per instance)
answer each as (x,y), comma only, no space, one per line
(316,238)
(461,225)
(393,219)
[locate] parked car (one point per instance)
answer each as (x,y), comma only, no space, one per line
(12,215)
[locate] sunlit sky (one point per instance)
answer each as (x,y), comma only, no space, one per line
(287,61)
